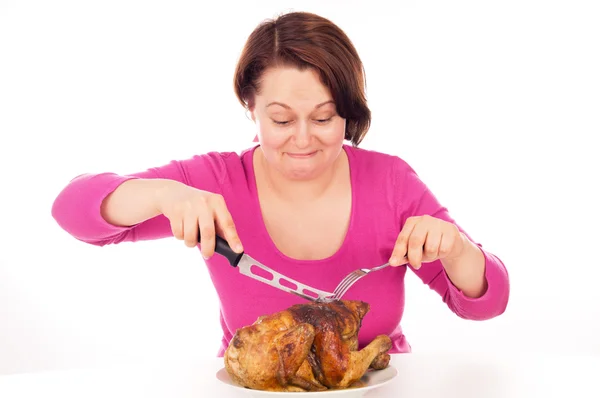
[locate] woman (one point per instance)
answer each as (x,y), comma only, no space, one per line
(302,201)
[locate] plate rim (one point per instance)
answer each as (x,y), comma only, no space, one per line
(390,368)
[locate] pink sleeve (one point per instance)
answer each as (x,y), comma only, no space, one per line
(77,207)
(416,200)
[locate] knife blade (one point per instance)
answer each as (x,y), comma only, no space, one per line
(248,266)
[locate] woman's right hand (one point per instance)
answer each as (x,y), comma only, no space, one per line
(191,210)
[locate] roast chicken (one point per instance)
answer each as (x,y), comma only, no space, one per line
(307,347)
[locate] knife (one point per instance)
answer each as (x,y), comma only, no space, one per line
(246,265)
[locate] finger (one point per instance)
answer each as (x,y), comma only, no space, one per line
(190,229)
(225,224)
(177,228)
(398,256)
(415,245)
(432,245)
(206,225)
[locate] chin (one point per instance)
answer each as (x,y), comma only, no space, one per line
(306,169)
(301,174)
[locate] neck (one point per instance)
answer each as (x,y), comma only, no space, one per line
(298,190)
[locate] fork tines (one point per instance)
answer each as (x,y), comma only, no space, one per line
(345,285)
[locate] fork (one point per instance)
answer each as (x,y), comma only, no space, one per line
(351,279)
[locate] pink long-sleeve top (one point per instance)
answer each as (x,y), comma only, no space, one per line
(385,192)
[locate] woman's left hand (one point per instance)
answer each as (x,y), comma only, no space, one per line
(425,239)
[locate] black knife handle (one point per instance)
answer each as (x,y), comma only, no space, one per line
(223,248)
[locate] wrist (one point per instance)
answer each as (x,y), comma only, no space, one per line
(464,247)
(159,188)
(466,270)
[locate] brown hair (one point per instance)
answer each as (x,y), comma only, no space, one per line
(306,40)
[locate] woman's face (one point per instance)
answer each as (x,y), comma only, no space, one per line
(300,133)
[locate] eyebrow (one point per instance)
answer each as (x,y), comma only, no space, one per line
(288,107)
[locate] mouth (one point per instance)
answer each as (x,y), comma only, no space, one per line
(299,155)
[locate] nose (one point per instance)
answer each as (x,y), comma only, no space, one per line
(302,135)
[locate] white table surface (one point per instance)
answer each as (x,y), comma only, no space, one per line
(420,375)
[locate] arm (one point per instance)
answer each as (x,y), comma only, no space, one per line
(134,201)
(107,208)
(475,283)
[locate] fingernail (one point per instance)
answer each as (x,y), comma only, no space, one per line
(394,260)
(238,248)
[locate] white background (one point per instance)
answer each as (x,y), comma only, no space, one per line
(495,104)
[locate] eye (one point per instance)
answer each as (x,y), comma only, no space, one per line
(281,123)
(323,120)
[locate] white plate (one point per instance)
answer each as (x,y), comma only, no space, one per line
(373,379)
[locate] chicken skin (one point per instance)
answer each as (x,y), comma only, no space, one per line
(307,347)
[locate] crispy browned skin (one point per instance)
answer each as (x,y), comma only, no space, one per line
(308,347)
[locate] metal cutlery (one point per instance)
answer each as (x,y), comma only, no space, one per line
(246,265)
